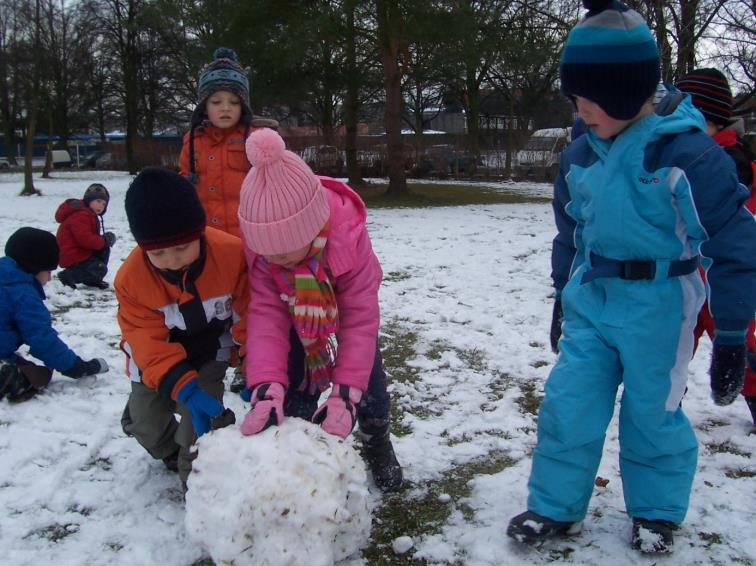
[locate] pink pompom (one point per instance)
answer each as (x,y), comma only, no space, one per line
(264,146)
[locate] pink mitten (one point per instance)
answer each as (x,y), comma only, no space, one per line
(339,413)
(267,408)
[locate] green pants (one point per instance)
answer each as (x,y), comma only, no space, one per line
(151,418)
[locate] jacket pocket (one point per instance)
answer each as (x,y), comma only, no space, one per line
(237,158)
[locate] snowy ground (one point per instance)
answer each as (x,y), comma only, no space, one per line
(466,306)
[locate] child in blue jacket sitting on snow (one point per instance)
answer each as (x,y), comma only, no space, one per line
(640,199)
(30,257)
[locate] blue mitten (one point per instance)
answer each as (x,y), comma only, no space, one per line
(202,406)
(727,370)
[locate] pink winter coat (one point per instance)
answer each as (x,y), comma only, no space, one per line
(355,274)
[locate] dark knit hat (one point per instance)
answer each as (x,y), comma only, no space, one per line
(163,209)
(96,191)
(711,94)
(611,58)
(34,250)
(224,73)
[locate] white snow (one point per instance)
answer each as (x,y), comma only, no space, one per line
(466,288)
(249,495)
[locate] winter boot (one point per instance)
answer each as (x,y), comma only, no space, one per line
(751,402)
(653,537)
(13,383)
(98,284)
(171,461)
(239,380)
(532,528)
(379,453)
(66,279)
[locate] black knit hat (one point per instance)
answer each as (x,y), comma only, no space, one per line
(711,94)
(163,209)
(224,73)
(34,250)
(96,191)
(611,58)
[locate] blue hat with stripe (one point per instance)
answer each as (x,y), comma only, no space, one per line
(611,58)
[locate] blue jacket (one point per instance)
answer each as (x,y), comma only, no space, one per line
(661,190)
(24,319)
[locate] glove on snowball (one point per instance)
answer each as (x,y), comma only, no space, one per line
(727,372)
(339,413)
(202,406)
(556,326)
(267,408)
(80,368)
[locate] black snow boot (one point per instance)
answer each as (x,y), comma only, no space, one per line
(653,537)
(751,402)
(532,528)
(379,453)
(171,461)
(13,383)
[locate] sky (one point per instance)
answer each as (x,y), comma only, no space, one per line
(467,297)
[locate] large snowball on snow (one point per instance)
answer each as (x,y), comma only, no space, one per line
(291,495)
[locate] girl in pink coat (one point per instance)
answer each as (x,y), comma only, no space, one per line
(313,316)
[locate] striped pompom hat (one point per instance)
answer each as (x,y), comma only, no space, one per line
(611,58)
(711,94)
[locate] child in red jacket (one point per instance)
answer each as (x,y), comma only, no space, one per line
(84,244)
(710,93)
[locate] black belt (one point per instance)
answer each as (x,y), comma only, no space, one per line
(635,270)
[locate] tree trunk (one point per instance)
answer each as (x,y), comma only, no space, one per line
(33,106)
(662,41)
(351,100)
(389,38)
(686,47)
(48,152)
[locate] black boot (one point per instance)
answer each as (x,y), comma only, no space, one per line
(379,453)
(239,380)
(13,383)
(653,537)
(751,402)
(532,528)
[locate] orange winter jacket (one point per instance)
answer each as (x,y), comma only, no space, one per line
(220,164)
(172,324)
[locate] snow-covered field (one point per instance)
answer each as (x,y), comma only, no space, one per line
(467,301)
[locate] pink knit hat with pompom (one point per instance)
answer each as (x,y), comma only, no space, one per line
(283,206)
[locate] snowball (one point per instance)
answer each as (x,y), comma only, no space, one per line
(402,544)
(290,495)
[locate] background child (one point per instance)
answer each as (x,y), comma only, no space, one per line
(312,272)
(84,244)
(182,297)
(30,256)
(213,156)
(710,93)
(637,198)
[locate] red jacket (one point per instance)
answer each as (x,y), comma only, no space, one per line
(78,233)
(220,163)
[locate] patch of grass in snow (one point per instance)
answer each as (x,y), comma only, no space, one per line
(102,463)
(395,276)
(114,546)
(417,516)
(428,195)
(398,344)
(55,532)
(740,473)
(726,448)
(710,539)
(711,424)
(84,511)
(530,399)
(204,562)
(560,554)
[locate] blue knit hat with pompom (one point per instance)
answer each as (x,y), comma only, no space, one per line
(224,73)
(611,58)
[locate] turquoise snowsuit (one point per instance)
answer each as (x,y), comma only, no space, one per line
(661,190)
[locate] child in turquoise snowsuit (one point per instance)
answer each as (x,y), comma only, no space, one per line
(640,199)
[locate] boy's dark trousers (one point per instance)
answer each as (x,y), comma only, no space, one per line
(21,379)
(91,271)
(149,417)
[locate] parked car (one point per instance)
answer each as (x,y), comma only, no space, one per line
(445,159)
(61,159)
(324,159)
(4,164)
(539,159)
(98,160)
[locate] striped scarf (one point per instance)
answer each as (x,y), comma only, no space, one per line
(312,304)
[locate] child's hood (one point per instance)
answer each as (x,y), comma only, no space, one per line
(70,207)
(11,274)
(675,114)
(348,216)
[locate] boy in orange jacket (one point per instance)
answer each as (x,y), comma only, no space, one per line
(182,299)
